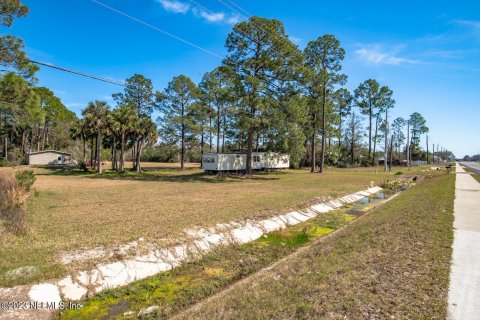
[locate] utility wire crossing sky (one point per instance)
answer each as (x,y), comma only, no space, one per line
(427,52)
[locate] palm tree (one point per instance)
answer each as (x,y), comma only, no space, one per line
(123,121)
(80,131)
(145,133)
(96,118)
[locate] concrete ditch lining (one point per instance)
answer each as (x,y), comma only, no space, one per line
(76,286)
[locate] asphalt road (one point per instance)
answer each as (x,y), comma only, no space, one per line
(472,165)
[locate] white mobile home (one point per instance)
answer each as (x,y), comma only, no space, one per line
(238,161)
(48,157)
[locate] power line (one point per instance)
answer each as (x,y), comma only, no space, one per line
(78,73)
(300,66)
(248,15)
(236,5)
(234,10)
(157,29)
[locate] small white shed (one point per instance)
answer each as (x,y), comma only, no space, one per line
(238,161)
(48,157)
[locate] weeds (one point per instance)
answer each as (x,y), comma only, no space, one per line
(395,185)
(14,190)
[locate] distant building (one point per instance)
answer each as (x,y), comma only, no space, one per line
(238,161)
(48,157)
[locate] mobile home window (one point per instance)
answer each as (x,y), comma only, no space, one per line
(208,160)
(256,158)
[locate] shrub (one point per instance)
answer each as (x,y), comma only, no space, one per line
(26,179)
(342,164)
(365,162)
(14,190)
(82,166)
(394,185)
(398,173)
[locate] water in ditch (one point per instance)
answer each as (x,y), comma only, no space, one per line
(364,204)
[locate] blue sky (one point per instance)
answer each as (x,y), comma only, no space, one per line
(427,52)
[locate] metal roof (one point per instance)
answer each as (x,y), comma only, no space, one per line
(54,151)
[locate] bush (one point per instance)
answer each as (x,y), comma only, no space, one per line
(394,185)
(398,173)
(82,166)
(342,164)
(365,162)
(26,179)
(14,190)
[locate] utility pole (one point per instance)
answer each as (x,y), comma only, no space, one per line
(433,152)
(438,153)
(408,145)
(352,144)
(391,155)
(427,150)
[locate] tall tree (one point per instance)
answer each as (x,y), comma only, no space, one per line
(10,9)
(20,110)
(343,102)
(124,120)
(96,117)
(58,119)
(417,128)
(387,104)
(285,128)
(353,135)
(12,56)
(217,93)
(176,104)
(398,129)
(146,133)
(80,130)
(322,57)
(139,95)
(371,98)
(202,115)
(260,54)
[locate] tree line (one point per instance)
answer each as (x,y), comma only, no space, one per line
(266,94)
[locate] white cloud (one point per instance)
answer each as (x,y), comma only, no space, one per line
(472,25)
(233,19)
(375,54)
(469,23)
(210,17)
(174,6)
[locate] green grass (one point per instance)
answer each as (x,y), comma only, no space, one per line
(474,175)
(73,210)
(174,290)
(391,264)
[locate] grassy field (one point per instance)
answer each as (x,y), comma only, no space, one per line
(74,210)
(393,262)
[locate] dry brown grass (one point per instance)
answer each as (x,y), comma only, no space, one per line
(75,210)
(12,204)
(392,264)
